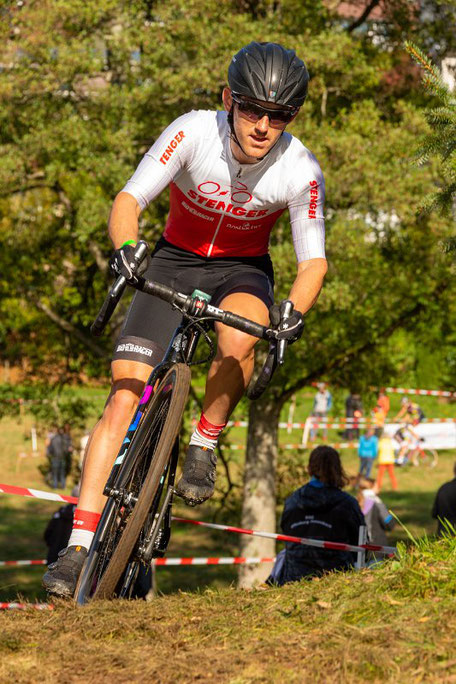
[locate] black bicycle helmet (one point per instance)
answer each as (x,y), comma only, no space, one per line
(269,72)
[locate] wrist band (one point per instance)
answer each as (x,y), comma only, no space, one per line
(128,242)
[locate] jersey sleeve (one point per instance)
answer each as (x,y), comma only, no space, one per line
(169,155)
(306,205)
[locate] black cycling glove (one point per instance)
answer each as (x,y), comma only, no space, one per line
(291,328)
(123,262)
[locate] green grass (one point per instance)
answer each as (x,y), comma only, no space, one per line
(22,521)
(393,623)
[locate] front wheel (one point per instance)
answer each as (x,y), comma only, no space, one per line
(430,457)
(137,483)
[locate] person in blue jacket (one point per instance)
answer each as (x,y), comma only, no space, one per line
(367,452)
(319,510)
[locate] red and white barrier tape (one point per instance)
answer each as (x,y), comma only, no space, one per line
(422,392)
(212,561)
(408,390)
(334,423)
(335,546)
(233,560)
(335,445)
(389,550)
(37,494)
(339,423)
(25,606)
(10,563)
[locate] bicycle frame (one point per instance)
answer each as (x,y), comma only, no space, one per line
(174,353)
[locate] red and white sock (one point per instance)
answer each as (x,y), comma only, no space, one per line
(206,433)
(84,526)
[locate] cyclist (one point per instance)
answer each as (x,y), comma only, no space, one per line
(410,412)
(408,441)
(231,175)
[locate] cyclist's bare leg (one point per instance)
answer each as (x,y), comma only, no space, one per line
(128,380)
(232,367)
(227,379)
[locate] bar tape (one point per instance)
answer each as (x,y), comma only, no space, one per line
(388,550)
(25,606)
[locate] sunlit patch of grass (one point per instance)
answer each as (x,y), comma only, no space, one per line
(396,622)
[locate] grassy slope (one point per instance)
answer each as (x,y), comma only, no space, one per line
(395,623)
(22,521)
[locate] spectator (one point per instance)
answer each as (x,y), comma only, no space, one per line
(386,458)
(381,410)
(57,453)
(321,407)
(367,452)
(377,516)
(319,510)
(444,508)
(383,403)
(353,410)
(58,530)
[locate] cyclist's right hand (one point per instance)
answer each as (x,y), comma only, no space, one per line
(123,262)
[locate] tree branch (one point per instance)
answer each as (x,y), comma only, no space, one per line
(362,18)
(99,257)
(345,357)
(68,327)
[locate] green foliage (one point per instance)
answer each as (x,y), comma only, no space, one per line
(48,404)
(441,141)
(82,99)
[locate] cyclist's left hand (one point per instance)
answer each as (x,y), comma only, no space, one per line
(291,328)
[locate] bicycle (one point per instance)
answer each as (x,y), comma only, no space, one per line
(135,524)
(413,449)
(421,454)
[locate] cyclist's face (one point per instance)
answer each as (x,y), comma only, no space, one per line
(256,137)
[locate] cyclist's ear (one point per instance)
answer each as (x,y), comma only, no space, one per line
(227,99)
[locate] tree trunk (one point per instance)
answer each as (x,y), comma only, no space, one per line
(259,504)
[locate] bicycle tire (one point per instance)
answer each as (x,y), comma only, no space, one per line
(430,457)
(168,422)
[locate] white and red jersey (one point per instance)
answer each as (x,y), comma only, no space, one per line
(219,207)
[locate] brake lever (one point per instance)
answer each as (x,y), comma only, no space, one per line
(286,309)
(141,250)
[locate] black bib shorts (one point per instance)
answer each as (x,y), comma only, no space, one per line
(150,321)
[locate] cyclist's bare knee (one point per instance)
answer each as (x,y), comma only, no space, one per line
(233,343)
(237,346)
(128,380)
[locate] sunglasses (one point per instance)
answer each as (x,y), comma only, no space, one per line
(254,112)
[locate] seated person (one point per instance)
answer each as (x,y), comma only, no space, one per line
(444,508)
(319,510)
(377,516)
